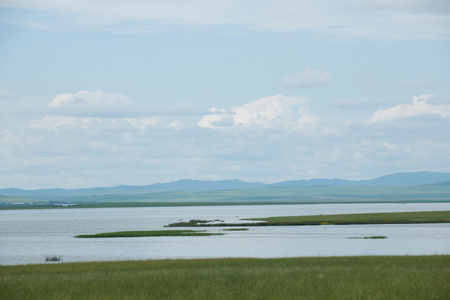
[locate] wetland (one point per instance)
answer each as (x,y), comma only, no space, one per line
(29,236)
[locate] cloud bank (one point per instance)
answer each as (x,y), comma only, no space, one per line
(269,139)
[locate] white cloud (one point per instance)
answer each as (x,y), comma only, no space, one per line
(54,122)
(91,124)
(100,104)
(419,106)
(143,123)
(363,19)
(92,104)
(390,146)
(269,112)
(96,99)
(98,111)
(306,79)
(174,124)
(269,109)
(215,121)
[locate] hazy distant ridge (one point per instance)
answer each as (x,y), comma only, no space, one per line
(397,179)
(208,185)
(407,179)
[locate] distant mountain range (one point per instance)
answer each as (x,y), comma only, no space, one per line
(397,179)
(416,186)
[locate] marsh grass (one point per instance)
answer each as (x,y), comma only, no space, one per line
(53,258)
(368,218)
(150,233)
(196,223)
(402,277)
(373,237)
(344,219)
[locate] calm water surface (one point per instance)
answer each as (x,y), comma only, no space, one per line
(28,236)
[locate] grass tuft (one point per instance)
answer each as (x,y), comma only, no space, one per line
(53,258)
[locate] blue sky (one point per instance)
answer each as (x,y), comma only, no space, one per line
(101,93)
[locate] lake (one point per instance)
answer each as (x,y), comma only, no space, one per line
(29,236)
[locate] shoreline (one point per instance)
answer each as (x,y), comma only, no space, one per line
(190,204)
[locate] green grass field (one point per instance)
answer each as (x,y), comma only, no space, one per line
(403,277)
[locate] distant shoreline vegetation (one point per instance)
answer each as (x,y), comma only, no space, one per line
(187,204)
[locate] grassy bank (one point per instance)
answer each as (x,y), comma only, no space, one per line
(371,218)
(147,233)
(344,219)
(410,277)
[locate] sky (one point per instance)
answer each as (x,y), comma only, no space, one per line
(105,93)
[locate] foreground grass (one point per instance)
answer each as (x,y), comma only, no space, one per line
(407,277)
(147,233)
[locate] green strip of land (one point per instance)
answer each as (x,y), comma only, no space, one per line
(147,234)
(344,219)
(372,218)
(402,277)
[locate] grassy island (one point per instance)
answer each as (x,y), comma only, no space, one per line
(370,218)
(344,219)
(147,233)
